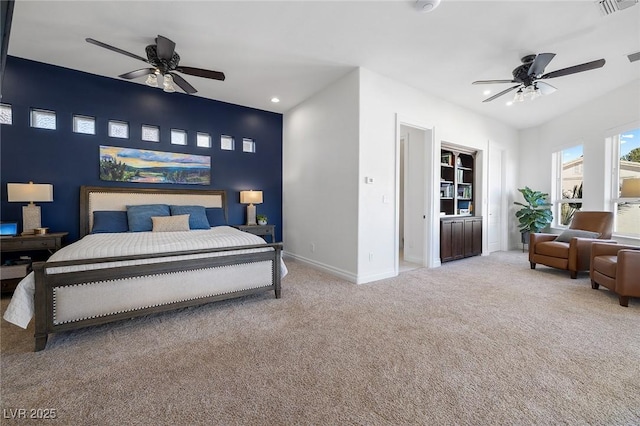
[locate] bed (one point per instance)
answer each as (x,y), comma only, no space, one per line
(110,276)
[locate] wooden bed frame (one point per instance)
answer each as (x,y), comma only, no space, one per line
(45,283)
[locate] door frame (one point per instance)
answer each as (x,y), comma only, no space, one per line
(431,233)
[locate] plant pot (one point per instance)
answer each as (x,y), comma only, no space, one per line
(525,237)
(262,222)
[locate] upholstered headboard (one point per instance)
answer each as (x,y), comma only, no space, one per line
(94,198)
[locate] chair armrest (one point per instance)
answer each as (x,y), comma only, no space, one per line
(608,249)
(628,270)
(535,238)
(580,252)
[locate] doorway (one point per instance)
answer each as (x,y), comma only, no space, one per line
(414,194)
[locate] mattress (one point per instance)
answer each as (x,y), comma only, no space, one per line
(102,298)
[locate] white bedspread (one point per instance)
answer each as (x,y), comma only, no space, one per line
(21,307)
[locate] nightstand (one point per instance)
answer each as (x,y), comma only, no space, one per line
(261,230)
(26,243)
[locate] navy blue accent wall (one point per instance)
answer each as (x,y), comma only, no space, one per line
(68,160)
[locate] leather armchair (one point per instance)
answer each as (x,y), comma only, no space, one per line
(575,255)
(617,267)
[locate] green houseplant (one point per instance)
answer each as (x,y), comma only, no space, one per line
(535,215)
(262,219)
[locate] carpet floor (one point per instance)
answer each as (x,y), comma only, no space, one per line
(484,340)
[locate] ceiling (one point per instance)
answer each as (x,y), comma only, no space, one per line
(292,49)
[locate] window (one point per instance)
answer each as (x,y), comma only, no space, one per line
(567,193)
(227,143)
(178,137)
(150,133)
(626,183)
(119,129)
(83,124)
(203,140)
(6,114)
(43,119)
(248,145)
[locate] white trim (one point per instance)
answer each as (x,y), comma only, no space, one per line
(431,232)
(340,273)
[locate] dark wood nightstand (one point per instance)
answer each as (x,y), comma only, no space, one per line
(28,243)
(261,230)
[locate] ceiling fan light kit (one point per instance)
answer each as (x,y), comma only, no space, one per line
(168,84)
(165,61)
(152,80)
(528,77)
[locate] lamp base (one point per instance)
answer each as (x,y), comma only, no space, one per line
(31,219)
(251,215)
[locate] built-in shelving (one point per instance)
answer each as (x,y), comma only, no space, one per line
(456,182)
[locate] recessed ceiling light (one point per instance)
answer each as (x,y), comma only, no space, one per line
(275,100)
(486,92)
(509,103)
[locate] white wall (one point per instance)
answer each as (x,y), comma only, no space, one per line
(587,125)
(320,178)
(381,100)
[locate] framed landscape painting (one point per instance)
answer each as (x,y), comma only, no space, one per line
(146,166)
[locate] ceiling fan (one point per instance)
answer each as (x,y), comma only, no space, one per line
(530,73)
(165,61)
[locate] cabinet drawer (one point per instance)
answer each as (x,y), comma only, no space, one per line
(29,244)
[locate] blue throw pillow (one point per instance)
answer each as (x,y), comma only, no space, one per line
(139,217)
(197,216)
(109,221)
(216,216)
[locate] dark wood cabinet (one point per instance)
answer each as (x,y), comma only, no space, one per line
(41,245)
(460,237)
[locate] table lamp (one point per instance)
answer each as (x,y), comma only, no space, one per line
(251,198)
(29,193)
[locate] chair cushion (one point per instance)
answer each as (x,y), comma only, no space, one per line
(568,234)
(553,249)
(606,265)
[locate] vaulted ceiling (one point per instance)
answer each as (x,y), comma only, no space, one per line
(292,49)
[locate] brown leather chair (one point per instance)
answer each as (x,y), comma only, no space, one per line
(574,255)
(617,267)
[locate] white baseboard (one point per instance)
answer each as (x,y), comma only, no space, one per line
(375,277)
(340,273)
(349,276)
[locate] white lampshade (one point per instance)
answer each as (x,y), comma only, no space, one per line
(630,188)
(251,197)
(29,192)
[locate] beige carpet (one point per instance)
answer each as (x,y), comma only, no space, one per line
(480,341)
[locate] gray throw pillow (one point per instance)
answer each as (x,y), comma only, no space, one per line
(568,234)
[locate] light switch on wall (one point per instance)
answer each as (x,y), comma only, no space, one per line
(368,180)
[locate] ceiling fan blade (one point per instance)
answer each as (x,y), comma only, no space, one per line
(545,88)
(165,47)
(199,72)
(137,73)
(540,63)
(182,83)
(504,92)
(115,49)
(575,69)
(493,81)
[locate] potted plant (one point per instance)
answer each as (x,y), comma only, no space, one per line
(262,219)
(535,215)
